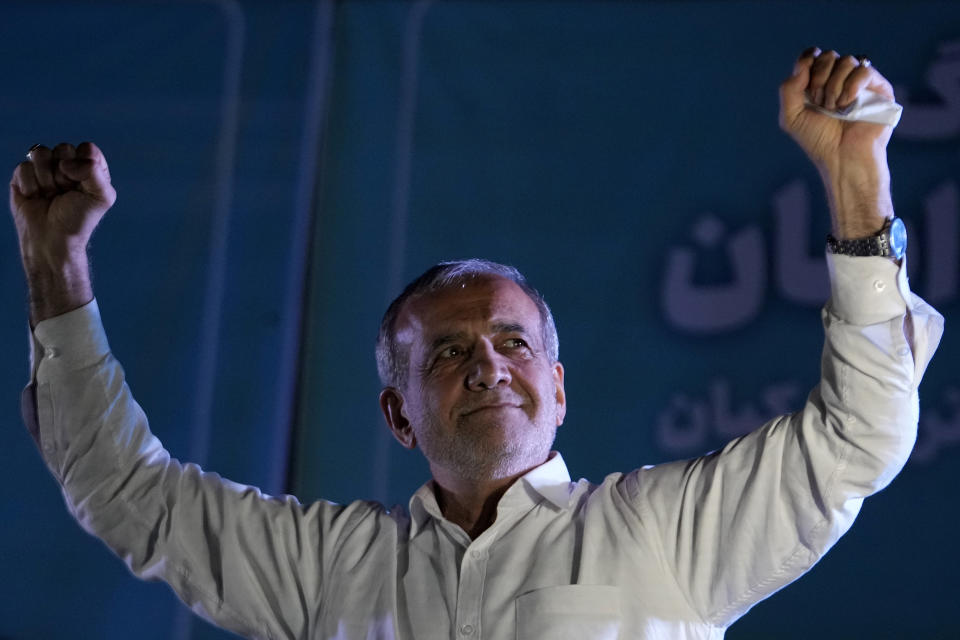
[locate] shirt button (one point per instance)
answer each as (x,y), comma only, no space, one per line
(466,629)
(475,554)
(52,352)
(879,285)
(903,351)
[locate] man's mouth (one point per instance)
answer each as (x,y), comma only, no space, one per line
(490,407)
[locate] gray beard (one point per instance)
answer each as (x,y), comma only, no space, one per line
(473,456)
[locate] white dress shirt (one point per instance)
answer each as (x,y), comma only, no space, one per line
(677,550)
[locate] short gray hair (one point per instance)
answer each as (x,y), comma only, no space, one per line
(393,360)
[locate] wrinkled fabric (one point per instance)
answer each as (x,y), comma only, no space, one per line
(678,550)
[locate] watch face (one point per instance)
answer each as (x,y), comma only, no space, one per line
(898,238)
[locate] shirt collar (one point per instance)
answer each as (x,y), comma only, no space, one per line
(550,480)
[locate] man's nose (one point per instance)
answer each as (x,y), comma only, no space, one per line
(487,369)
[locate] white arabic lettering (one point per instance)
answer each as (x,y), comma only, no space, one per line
(717,307)
(688,425)
(800,277)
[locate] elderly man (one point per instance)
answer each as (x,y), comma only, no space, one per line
(500,544)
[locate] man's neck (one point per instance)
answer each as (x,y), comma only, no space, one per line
(470,504)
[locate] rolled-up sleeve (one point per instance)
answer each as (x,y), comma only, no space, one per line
(739,524)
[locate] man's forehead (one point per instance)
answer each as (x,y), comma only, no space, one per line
(492,300)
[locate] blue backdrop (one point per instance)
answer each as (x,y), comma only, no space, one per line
(283,170)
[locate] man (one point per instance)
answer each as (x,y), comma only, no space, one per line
(500,544)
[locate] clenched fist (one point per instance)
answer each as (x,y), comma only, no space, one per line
(57,197)
(832,82)
(851,156)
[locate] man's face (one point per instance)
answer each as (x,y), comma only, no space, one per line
(482,398)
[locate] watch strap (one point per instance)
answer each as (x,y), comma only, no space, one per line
(875,245)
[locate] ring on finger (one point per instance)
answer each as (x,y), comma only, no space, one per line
(864,60)
(31,150)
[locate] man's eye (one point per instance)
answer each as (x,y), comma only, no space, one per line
(450,352)
(515,343)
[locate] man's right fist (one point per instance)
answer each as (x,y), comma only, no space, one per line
(57,197)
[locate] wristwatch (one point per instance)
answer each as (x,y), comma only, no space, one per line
(890,242)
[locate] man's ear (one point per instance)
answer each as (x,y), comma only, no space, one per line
(561,394)
(391,403)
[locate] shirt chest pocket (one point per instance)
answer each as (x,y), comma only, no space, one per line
(569,612)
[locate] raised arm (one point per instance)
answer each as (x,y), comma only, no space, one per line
(251,563)
(736,525)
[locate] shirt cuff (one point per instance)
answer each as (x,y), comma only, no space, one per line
(867,290)
(68,342)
